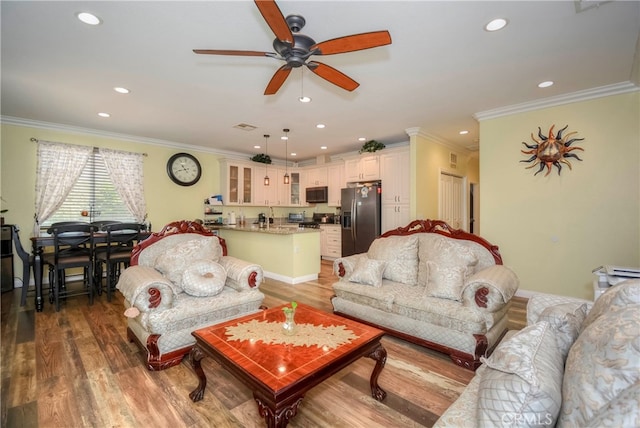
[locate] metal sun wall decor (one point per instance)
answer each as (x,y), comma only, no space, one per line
(551,150)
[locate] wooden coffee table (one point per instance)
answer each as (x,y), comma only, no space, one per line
(280,369)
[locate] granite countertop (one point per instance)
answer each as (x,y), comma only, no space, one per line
(274,230)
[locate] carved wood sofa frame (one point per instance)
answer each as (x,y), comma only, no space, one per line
(154,361)
(440,227)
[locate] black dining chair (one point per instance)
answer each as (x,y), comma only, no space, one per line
(27,263)
(116,254)
(73,247)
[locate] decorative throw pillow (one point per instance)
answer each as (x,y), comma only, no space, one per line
(368,271)
(566,320)
(449,265)
(623,294)
(173,262)
(445,281)
(523,380)
(602,363)
(204,278)
(401,255)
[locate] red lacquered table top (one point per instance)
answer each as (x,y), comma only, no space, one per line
(278,365)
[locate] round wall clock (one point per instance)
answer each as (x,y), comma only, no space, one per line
(184,169)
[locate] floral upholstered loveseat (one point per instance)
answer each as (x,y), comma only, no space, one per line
(430,284)
(180,280)
(576,364)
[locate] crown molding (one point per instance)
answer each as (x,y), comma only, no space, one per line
(588,94)
(10,120)
(419,132)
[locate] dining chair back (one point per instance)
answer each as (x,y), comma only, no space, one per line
(27,262)
(73,248)
(121,238)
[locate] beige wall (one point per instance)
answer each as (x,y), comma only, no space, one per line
(554,230)
(429,158)
(166,201)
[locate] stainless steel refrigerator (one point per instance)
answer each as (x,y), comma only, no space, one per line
(361,211)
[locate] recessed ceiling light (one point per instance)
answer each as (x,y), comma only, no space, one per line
(101,114)
(545,84)
(294,154)
(88,18)
(323,147)
(121,90)
(304,99)
(284,137)
(496,24)
(256,147)
(362,139)
(463,132)
(320,126)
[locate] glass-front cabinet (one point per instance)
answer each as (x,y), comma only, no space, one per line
(237,186)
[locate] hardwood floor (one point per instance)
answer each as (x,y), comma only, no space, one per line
(75,368)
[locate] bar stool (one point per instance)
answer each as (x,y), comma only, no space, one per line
(73,248)
(121,238)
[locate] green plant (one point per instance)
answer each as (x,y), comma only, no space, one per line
(371,146)
(262,158)
(288,310)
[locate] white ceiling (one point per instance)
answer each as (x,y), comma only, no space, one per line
(441,69)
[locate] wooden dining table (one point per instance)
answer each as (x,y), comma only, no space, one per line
(40,242)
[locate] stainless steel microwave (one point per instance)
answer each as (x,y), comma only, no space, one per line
(317,195)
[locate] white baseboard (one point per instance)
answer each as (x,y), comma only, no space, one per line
(289,279)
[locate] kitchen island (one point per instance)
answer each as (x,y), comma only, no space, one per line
(287,254)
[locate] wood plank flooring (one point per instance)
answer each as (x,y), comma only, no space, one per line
(75,368)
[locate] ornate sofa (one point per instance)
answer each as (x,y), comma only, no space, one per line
(432,285)
(180,280)
(576,364)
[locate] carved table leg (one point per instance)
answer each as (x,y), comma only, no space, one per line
(196,356)
(277,418)
(380,355)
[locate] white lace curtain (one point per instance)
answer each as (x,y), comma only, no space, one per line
(59,166)
(125,171)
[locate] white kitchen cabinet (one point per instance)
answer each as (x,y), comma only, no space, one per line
(335,181)
(273,194)
(364,168)
(294,192)
(394,216)
(237,183)
(330,241)
(316,176)
(396,184)
(395,176)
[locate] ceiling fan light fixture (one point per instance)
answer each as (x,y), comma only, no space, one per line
(304,99)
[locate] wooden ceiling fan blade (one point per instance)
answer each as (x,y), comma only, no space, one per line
(355,42)
(231,52)
(275,19)
(332,75)
(278,79)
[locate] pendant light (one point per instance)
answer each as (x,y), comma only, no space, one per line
(266,165)
(286,155)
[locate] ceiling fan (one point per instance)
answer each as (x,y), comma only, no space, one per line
(295,48)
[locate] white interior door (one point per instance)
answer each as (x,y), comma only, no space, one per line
(452,201)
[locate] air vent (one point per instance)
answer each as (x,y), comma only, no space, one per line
(453,160)
(245,127)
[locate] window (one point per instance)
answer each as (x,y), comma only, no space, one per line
(94,195)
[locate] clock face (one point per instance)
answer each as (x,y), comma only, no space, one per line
(184,169)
